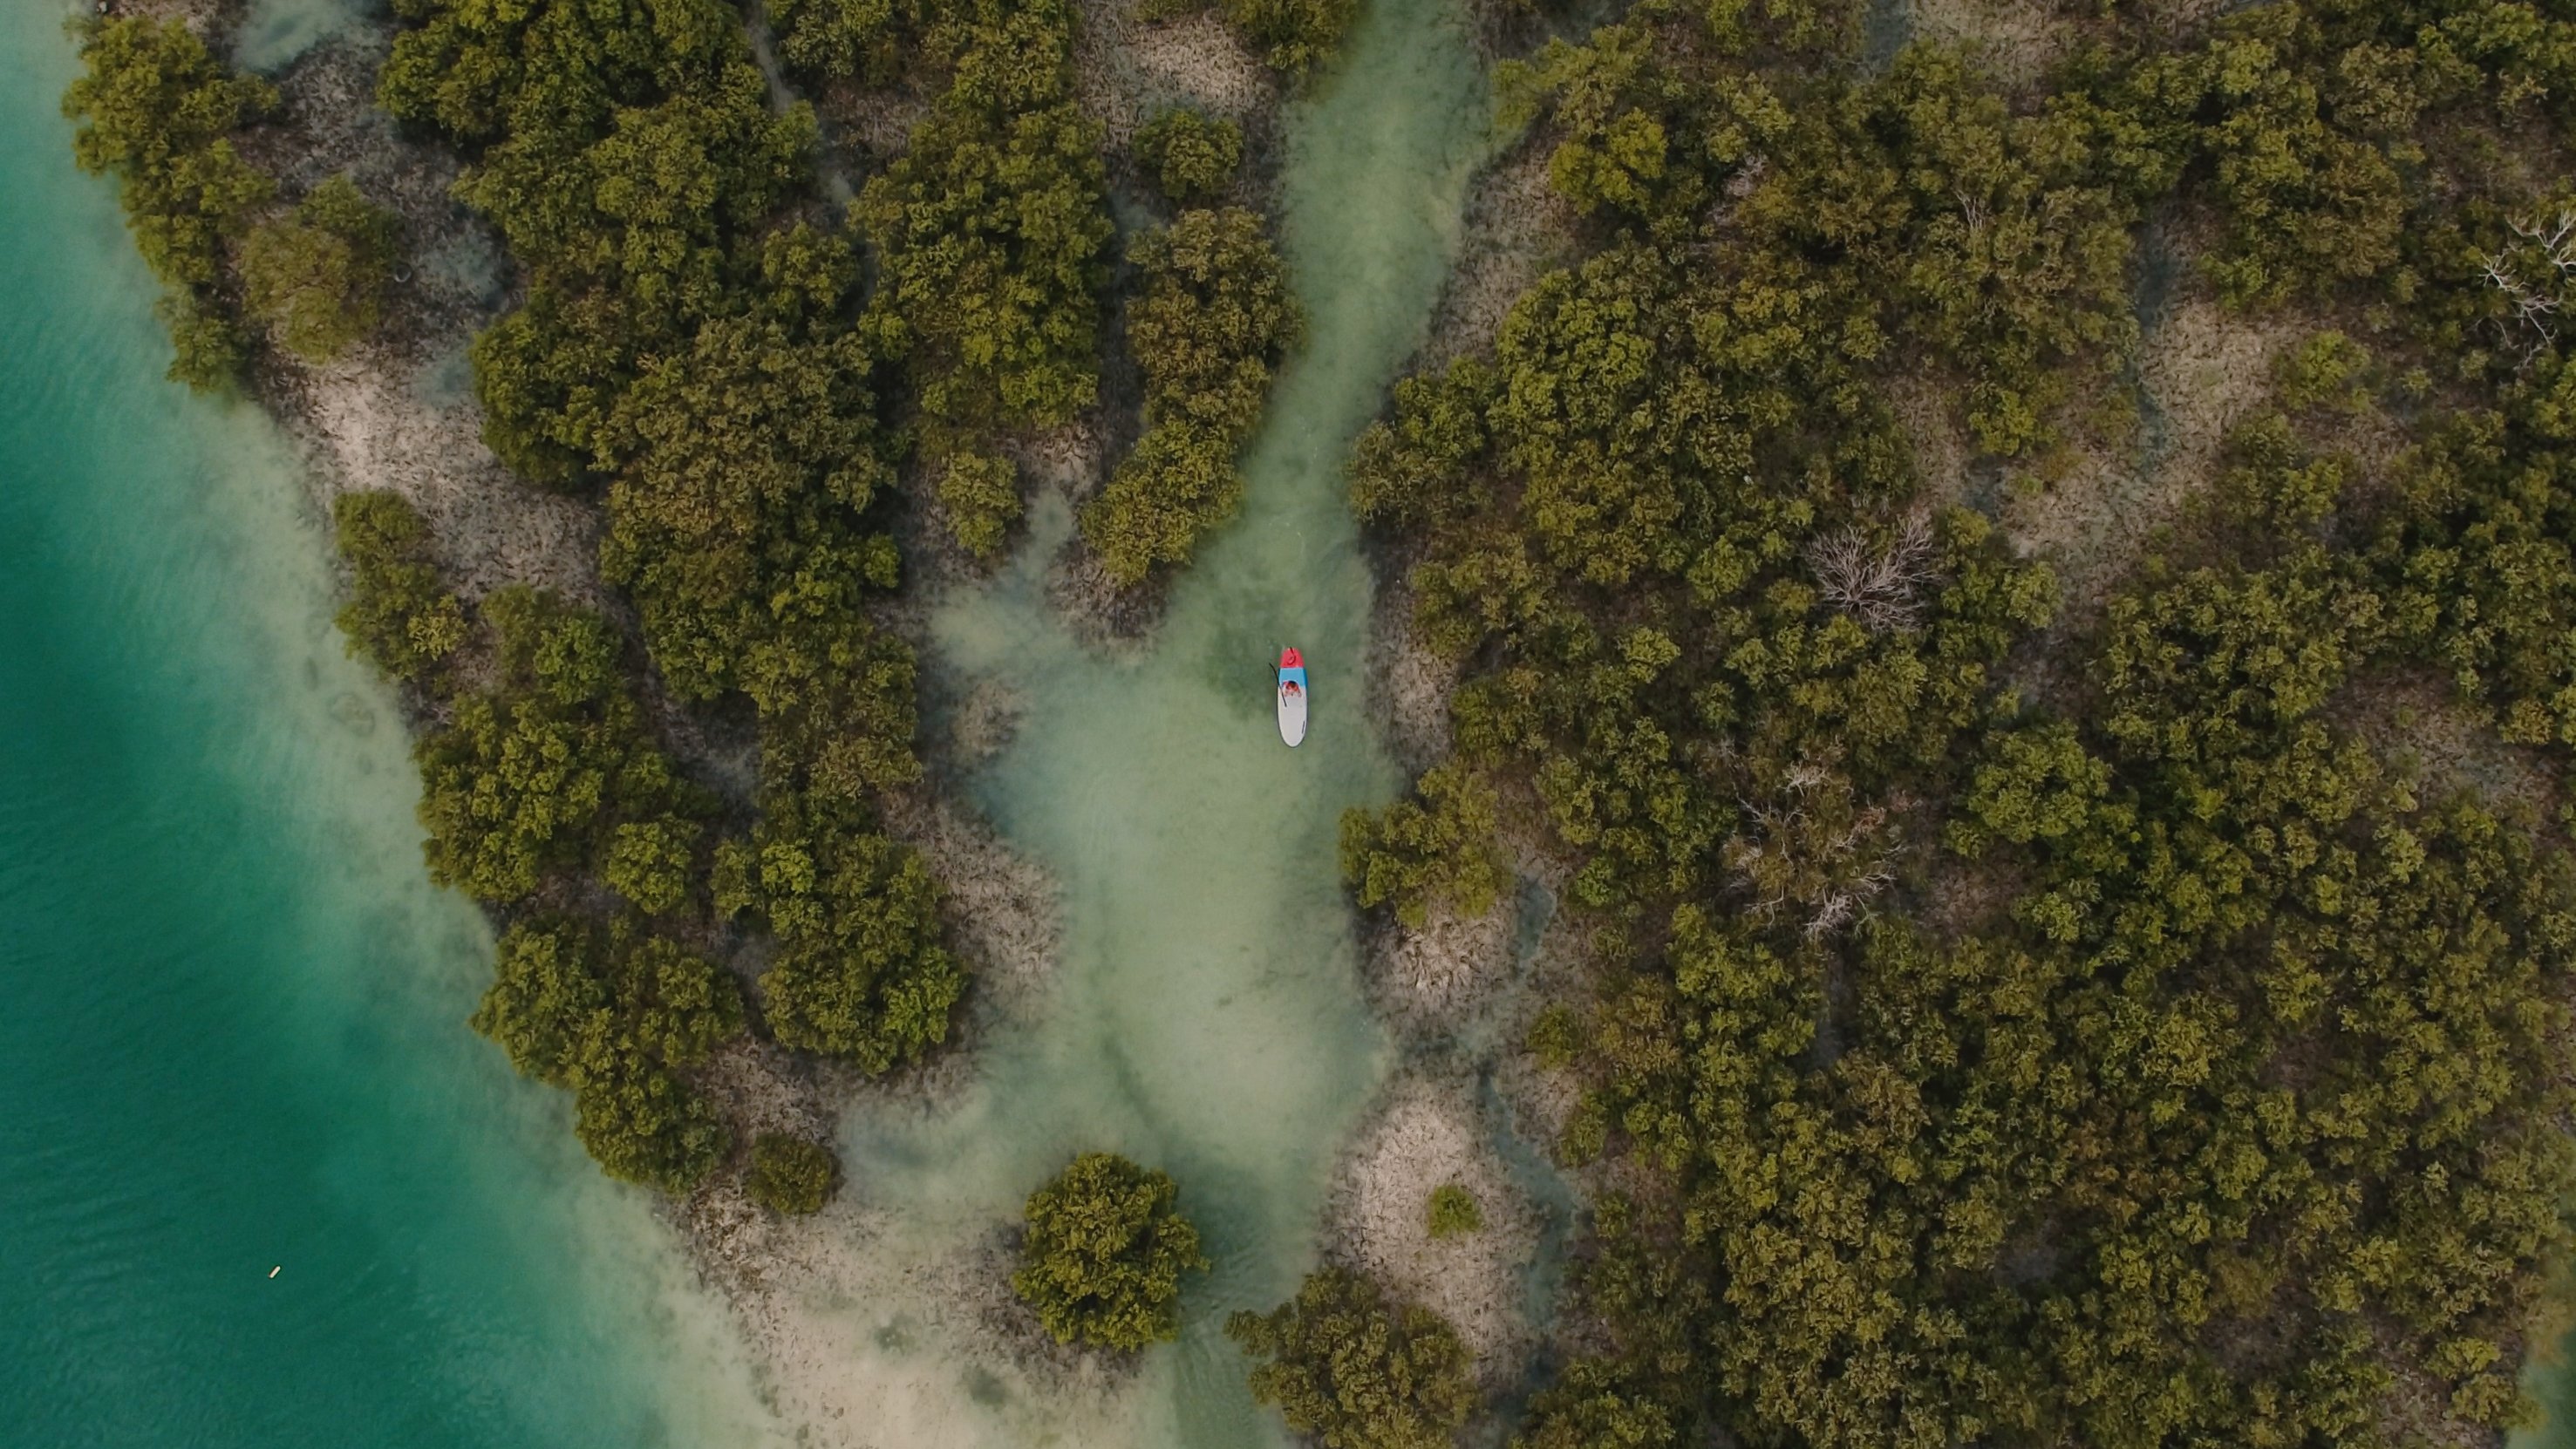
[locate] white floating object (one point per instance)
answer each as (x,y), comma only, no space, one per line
(1292,696)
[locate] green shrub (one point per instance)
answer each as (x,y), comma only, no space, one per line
(531,772)
(208,349)
(1452,1211)
(1104,1252)
(1441,850)
(1288,35)
(791,1175)
(740,460)
(989,233)
(157,110)
(612,1015)
(1189,155)
(398,615)
(1214,320)
(840,39)
(644,1125)
(1343,1364)
(317,278)
(653,863)
(981,496)
(861,971)
(1178,482)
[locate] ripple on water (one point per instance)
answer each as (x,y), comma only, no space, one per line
(233,1038)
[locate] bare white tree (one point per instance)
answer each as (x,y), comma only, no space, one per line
(2555,241)
(1883,588)
(1814,848)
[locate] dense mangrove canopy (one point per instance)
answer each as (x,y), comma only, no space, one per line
(2023,1017)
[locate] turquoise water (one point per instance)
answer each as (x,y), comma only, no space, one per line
(232,1038)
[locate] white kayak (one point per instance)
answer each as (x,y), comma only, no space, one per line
(1292,697)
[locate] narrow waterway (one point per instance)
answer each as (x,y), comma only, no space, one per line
(1207,1015)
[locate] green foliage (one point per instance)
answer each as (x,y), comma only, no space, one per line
(861,971)
(157,110)
(653,863)
(2039,784)
(398,614)
(1213,322)
(1174,485)
(2218,1103)
(614,1015)
(1342,1363)
(2480,578)
(631,242)
(317,277)
(629,157)
(1591,1409)
(2275,480)
(989,232)
(791,1175)
(744,458)
(2307,204)
(208,349)
(1189,155)
(1555,1037)
(1290,36)
(2329,370)
(643,1124)
(1438,851)
(1452,1211)
(1104,1252)
(840,39)
(981,496)
(535,771)
(689,339)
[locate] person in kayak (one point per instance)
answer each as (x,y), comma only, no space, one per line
(1292,697)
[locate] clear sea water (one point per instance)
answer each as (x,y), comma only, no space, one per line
(231,1008)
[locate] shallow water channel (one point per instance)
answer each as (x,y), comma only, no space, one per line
(1206,1015)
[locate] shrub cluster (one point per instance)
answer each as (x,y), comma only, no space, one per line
(399,615)
(615,1015)
(989,233)
(1452,1212)
(1344,1364)
(1290,36)
(1104,1252)
(692,339)
(791,1175)
(1214,320)
(317,277)
(536,771)
(1189,155)
(159,111)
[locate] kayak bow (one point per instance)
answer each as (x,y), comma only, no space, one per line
(1292,696)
